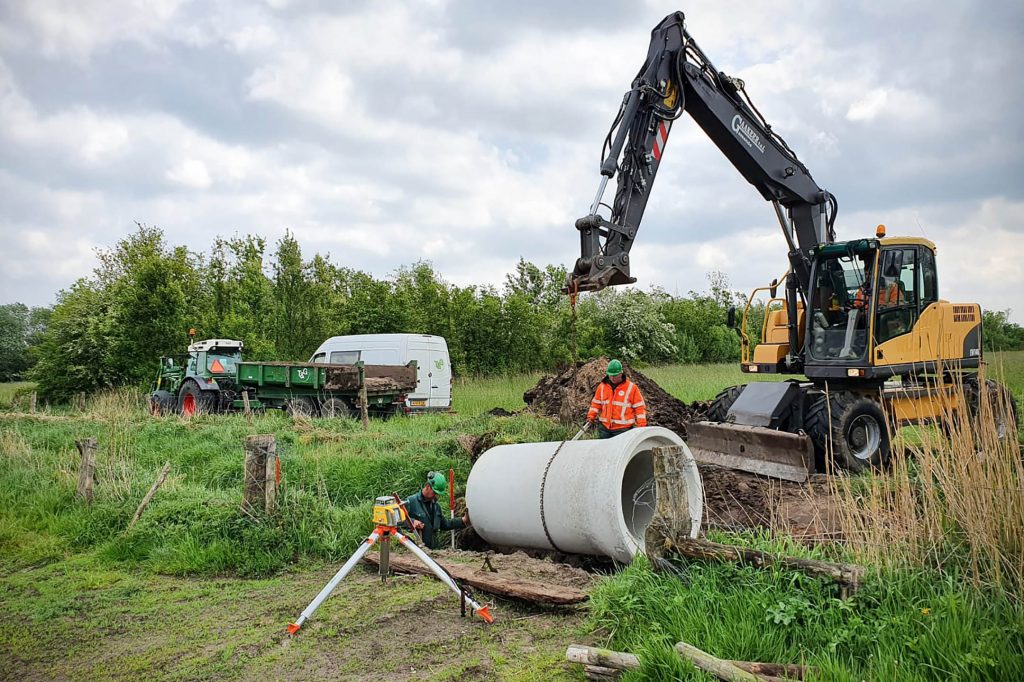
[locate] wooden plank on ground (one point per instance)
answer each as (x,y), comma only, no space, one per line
(494,583)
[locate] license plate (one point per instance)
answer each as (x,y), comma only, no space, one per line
(418,403)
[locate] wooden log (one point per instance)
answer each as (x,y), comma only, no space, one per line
(259,493)
(588,655)
(87,468)
(596,672)
(514,588)
(845,574)
(620,660)
(722,669)
(161,477)
(32,403)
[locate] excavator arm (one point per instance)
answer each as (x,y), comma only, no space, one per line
(678,77)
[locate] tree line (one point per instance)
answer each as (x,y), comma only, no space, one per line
(110,328)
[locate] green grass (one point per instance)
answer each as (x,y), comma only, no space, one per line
(200,591)
(13,390)
(901,626)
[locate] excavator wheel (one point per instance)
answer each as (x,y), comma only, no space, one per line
(1000,401)
(722,402)
(852,429)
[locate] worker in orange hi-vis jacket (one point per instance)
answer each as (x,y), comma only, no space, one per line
(618,404)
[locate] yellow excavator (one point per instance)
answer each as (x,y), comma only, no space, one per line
(860,321)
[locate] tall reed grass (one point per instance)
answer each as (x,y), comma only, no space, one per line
(953,497)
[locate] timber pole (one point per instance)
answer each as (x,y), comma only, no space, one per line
(87,468)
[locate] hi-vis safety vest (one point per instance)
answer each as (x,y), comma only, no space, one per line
(618,407)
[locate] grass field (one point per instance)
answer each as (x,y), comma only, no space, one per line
(197,591)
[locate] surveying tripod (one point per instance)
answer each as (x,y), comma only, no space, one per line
(387,514)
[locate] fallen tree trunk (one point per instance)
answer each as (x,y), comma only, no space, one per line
(490,582)
(620,660)
(846,574)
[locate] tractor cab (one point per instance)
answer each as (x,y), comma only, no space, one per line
(213,358)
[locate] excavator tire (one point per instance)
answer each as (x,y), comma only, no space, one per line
(852,427)
(722,402)
(1000,402)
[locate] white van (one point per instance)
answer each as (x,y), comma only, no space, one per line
(434,384)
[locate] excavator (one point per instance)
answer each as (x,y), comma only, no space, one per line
(859,322)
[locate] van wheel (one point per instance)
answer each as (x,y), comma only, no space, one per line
(335,408)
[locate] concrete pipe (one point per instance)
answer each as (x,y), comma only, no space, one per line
(577,497)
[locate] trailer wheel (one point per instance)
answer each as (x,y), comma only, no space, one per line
(335,408)
(300,407)
(723,402)
(193,400)
(855,429)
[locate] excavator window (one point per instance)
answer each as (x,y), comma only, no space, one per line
(897,294)
(929,278)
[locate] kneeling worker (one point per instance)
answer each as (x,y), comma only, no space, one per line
(426,515)
(618,405)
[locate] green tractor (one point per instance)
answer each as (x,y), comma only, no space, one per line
(200,381)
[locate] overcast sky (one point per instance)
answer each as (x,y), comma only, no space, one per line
(468,133)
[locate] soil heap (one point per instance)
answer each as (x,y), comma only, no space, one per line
(567,395)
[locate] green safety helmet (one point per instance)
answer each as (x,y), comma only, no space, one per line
(614,368)
(437,481)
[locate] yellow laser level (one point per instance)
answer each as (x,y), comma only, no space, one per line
(387,512)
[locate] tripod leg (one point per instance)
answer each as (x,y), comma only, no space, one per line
(481,611)
(338,577)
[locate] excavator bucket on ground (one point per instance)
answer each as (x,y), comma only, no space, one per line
(757,449)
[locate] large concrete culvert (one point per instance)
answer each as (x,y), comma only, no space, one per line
(593,497)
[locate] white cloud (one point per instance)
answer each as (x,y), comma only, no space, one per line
(389,133)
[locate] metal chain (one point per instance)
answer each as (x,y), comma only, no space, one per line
(543,483)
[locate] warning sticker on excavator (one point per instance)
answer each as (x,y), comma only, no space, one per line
(660,138)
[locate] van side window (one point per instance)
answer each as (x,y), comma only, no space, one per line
(344,357)
(319,359)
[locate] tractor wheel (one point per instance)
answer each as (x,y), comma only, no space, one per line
(999,401)
(853,427)
(723,402)
(335,408)
(300,407)
(192,400)
(161,403)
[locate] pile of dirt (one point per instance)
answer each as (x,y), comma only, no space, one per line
(736,500)
(566,396)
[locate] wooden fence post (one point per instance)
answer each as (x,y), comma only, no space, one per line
(364,410)
(245,405)
(260,491)
(87,469)
(32,403)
